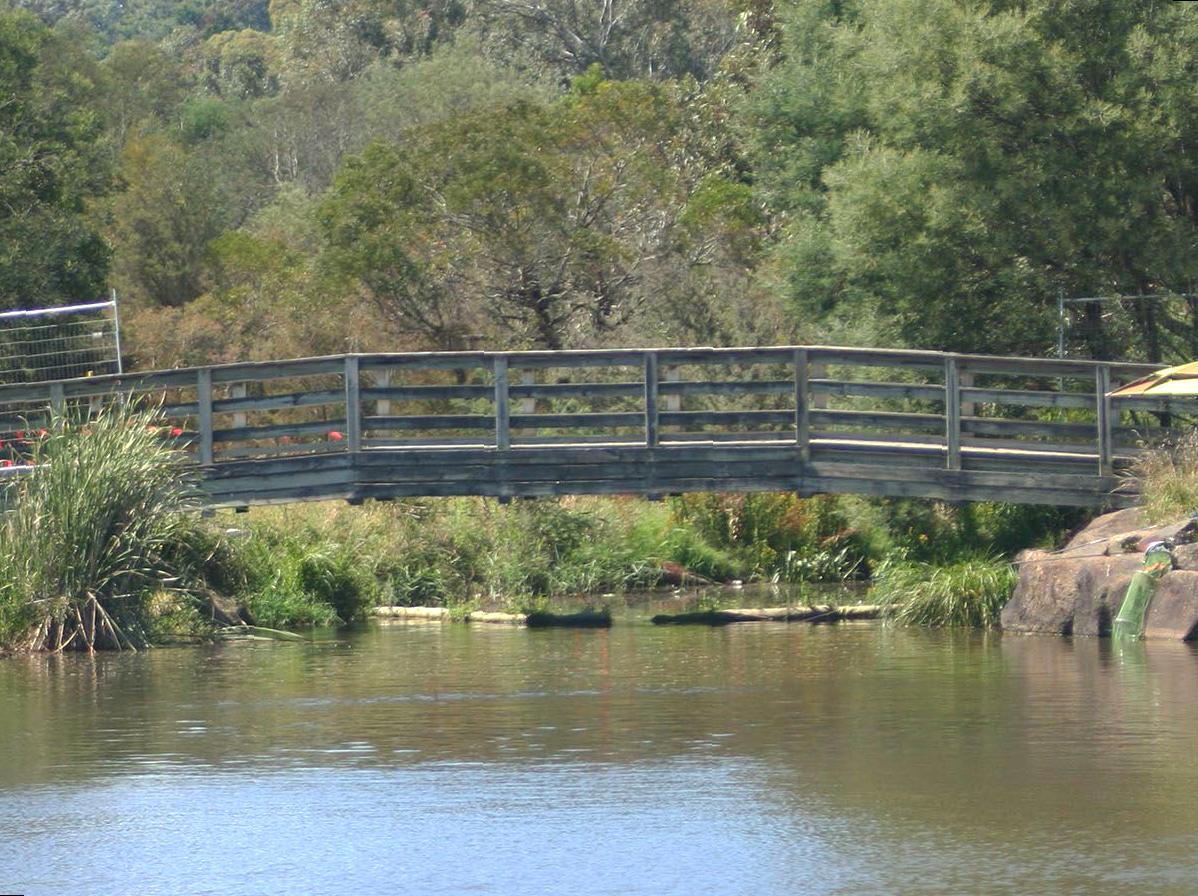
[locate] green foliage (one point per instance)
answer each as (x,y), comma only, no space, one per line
(52,162)
(779,536)
(968,593)
(94,528)
(950,168)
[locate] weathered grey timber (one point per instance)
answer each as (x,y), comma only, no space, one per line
(808,419)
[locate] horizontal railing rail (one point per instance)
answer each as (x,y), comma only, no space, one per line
(947,410)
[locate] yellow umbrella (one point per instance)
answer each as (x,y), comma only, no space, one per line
(1179,380)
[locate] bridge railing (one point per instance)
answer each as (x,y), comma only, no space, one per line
(951,406)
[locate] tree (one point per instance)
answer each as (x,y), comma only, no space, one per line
(542,220)
(949,168)
(52,162)
(626,38)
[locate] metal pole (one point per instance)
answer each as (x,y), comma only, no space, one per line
(116,323)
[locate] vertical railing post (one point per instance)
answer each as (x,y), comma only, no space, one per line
(353,405)
(382,380)
(58,399)
(802,404)
(651,399)
(1102,388)
(965,380)
(818,371)
(204,414)
(503,431)
(527,405)
(672,402)
(238,390)
(952,413)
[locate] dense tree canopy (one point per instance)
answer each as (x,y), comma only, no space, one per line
(299,176)
(51,163)
(954,167)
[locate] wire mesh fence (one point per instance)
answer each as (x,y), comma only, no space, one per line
(44,344)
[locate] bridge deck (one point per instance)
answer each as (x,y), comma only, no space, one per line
(655,421)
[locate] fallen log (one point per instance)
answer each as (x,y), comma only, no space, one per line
(422,614)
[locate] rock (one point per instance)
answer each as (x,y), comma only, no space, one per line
(1046,594)
(1185,556)
(1101,587)
(1079,590)
(1173,611)
(1130,519)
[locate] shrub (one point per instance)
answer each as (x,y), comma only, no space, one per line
(1167,479)
(94,529)
(965,593)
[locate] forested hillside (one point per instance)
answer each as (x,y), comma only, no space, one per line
(306,176)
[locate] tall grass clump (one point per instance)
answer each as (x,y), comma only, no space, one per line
(91,531)
(1167,479)
(968,592)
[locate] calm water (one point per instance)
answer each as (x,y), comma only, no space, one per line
(756,759)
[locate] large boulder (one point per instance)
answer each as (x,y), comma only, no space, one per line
(1079,589)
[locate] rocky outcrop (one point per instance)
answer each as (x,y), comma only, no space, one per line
(1078,589)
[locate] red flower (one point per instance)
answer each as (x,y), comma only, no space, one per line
(42,433)
(335,436)
(20,433)
(5,463)
(176,432)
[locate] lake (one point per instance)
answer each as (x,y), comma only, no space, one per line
(750,759)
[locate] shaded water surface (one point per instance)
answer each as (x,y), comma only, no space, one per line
(754,759)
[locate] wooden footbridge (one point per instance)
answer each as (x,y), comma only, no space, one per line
(806,419)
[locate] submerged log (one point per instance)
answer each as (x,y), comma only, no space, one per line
(583,619)
(825,613)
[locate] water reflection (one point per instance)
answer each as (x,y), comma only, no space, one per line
(760,758)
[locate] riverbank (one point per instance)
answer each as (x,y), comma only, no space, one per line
(318,564)
(117,557)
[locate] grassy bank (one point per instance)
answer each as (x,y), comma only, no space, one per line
(313,564)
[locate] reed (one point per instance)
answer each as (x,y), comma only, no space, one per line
(968,592)
(93,528)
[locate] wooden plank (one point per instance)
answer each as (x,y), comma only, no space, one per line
(1058,432)
(426,393)
(58,400)
(570,421)
(531,391)
(1102,385)
(204,415)
(802,410)
(353,405)
(727,418)
(670,389)
(248,433)
(780,355)
(430,421)
(952,413)
(863,389)
(651,420)
(503,431)
(462,361)
(244,403)
(1026,398)
(238,391)
(258,371)
(896,421)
